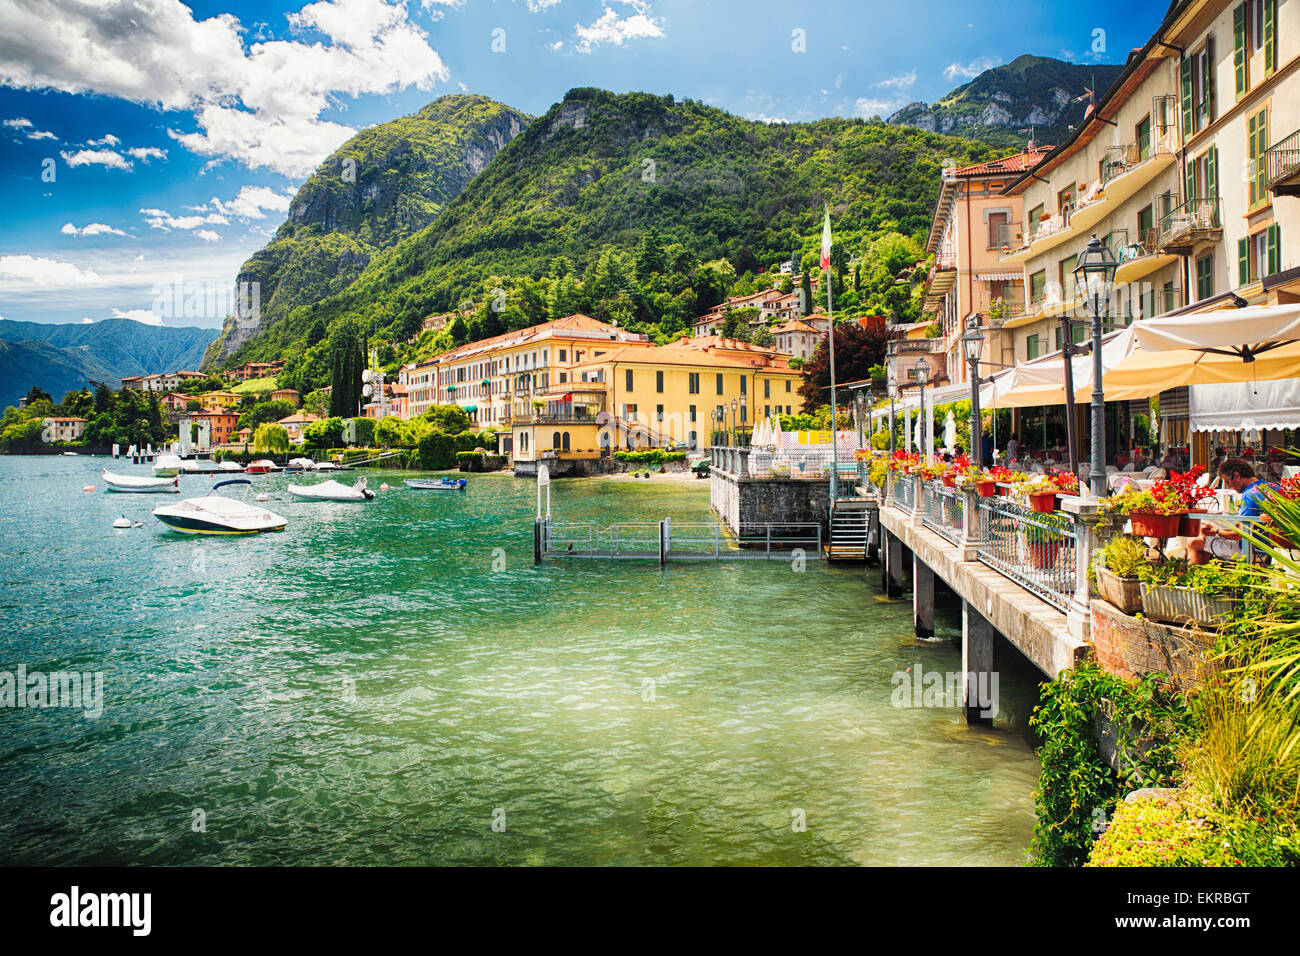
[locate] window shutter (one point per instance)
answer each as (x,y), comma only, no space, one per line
(1207,79)
(1190,194)
(1243,262)
(1212,182)
(1187,96)
(1274,242)
(1251,144)
(1239,47)
(1270,36)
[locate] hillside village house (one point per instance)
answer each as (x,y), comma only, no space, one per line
(295,423)
(221,399)
(1188,169)
(64,428)
(251,370)
(178,402)
(796,338)
(287,395)
(221,423)
(161,382)
(973,223)
(772,305)
(652,397)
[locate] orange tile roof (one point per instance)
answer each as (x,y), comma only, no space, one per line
(575,322)
(1018,163)
(795,325)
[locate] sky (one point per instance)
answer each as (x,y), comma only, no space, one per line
(147,148)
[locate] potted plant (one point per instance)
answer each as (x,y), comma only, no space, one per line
(1041,538)
(1041,491)
(1196,498)
(1117,569)
(1153,513)
(1183,594)
(1005,477)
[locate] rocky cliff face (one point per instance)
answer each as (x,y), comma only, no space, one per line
(384,184)
(1005,105)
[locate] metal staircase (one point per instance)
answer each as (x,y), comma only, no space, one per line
(854,531)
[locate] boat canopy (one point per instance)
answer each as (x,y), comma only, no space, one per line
(232,481)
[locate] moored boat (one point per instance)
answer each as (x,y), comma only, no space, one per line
(166,466)
(263,466)
(436,484)
(142,484)
(332,490)
(216,514)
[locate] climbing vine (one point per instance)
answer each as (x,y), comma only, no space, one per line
(1077,789)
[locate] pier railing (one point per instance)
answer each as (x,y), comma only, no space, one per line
(785,463)
(904,492)
(943,510)
(1040,552)
(669,540)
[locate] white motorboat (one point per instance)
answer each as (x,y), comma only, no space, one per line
(332,491)
(168,465)
(326,466)
(297,466)
(215,514)
(263,466)
(142,484)
(230,466)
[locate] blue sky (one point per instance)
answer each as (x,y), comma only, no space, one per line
(150,146)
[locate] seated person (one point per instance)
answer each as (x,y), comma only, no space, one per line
(1237,475)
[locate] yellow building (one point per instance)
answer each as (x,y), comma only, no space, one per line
(220,399)
(641,396)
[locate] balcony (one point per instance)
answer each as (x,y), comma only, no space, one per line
(1189,224)
(915,346)
(1007,236)
(1138,258)
(1282,166)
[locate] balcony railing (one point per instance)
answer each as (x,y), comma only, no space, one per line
(943,510)
(1282,166)
(910,346)
(1196,220)
(1036,551)
(1117,160)
(1007,235)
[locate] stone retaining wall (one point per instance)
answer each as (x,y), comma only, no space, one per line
(1131,646)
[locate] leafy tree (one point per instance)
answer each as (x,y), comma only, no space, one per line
(270,438)
(326,433)
(857,349)
(36,394)
(448,419)
(805,287)
(262,412)
(437,451)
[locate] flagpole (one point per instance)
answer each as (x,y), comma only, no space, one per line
(830,332)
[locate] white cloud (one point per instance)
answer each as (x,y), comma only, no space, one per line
(146,153)
(162,219)
(764,118)
(251,201)
(107,158)
(27,273)
(207,235)
(611,28)
(90,229)
(537,6)
(971,70)
(143,316)
(258,104)
(87,320)
(18,122)
(556,47)
(108,140)
(900,82)
(867,107)
(41,134)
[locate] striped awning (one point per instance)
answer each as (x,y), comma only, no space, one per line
(1000,276)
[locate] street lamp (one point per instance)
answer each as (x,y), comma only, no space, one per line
(713,426)
(922,369)
(734,405)
(891,385)
(972,344)
(1096,266)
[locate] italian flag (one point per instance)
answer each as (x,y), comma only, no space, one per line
(826,240)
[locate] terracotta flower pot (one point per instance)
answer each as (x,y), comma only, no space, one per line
(1042,554)
(1150,525)
(986,489)
(949,481)
(1189,526)
(1044,502)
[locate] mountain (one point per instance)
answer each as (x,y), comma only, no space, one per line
(1005,105)
(383,184)
(64,357)
(602,170)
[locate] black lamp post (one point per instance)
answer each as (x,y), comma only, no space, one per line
(972,343)
(713,426)
(1096,268)
(734,405)
(891,384)
(922,369)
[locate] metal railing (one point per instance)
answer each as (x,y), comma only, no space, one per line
(1007,235)
(904,492)
(1281,160)
(1117,160)
(795,463)
(1188,218)
(1036,551)
(667,540)
(943,510)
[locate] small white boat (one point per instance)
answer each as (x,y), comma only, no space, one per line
(168,465)
(263,466)
(142,484)
(332,491)
(230,466)
(70,454)
(325,466)
(436,484)
(296,466)
(215,514)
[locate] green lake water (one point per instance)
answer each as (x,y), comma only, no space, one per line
(372,686)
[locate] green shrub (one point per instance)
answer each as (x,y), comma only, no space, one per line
(649,456)
(365,432)
(467,441)
(1124,556)
(1159,833)
(437,451)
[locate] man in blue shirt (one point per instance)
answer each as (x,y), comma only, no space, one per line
(1240,477)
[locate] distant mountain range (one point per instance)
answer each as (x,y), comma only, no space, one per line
(61,358)
(1004,106)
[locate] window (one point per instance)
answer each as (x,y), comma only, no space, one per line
(744,411)
(1256,146)
(1260,255)
(1031,347)
(629,412)
(1198,88)
(1205,276)
(1065,200)
(1146,225)
(659,381)
(659,413)
(564,355)
(997,224)
(744,385)
(767,411)
(1038,285)
(692,413)
(719,383)
(694,439)
(566,441)
(564,377)
(555,441)
(627,380)
(1144,138)
(693,383)
(787,385)
(1035,219)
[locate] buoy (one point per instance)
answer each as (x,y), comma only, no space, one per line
(384,486)
(122,522)
(263,496)
(88,488)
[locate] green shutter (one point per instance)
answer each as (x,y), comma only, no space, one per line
(1212,181)
(1243,262)
(1239,47)
(1273,239)
(1190,194)
(1207,79)
(1187,96)
(1251,145)
(1270,36)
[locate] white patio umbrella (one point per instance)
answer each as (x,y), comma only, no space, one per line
(761,435)
(776,432)
(1244,333)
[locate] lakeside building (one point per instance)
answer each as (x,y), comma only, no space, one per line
(221,423)
(973,223)
(68,428)
(221,399)
(287,395)
(252,370)
(636,396)
(178,402)
(295,423)
(1188,169)
(161,382)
